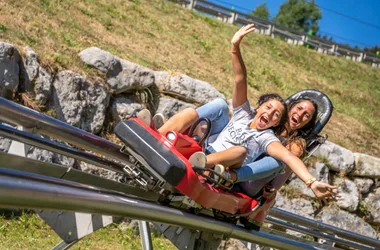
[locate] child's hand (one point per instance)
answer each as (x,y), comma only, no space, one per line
(236,39)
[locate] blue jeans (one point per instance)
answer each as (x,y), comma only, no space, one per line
(217,112)
(254,176)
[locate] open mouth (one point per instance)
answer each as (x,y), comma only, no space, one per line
(295,120)
(264,120)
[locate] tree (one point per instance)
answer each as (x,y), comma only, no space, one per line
(300,15)
(261,11)
(375,49)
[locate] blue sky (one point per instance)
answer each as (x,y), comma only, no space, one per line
(342,29)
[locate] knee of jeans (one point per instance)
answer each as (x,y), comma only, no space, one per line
(223,109)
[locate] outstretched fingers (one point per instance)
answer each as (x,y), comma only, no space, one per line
(243,31)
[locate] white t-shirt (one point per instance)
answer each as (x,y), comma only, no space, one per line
(238,133)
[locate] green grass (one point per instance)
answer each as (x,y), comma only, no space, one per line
(28,231)
(164,36)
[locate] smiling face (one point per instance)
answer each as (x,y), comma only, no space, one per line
(300,114)
(268,115)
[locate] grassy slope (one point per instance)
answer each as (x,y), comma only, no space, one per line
(163,36)
(28,231)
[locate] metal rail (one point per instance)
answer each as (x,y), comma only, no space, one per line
(302,221)
(60,148)
(21,190)
(325,236)
(17,114)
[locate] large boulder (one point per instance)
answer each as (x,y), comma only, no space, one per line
(122,75)
(37,81)
(346,221)
(186,88)
(349,194)
(132,77)
(364,185)
(366,166)
(297,206)
(9,69)
(99,59)
(79,102)
(339,159)
(123,106)
(372,203)
(169,106)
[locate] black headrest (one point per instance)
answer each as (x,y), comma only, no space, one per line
(325,106)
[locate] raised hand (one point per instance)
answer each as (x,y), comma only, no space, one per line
(236,39)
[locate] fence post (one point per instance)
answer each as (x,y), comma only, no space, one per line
(361,57)
(190,5)
(233,17)
(303,40)
(270,30)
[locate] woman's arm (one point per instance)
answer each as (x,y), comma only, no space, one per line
(239,94)
(320,189)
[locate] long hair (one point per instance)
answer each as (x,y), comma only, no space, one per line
(284,117)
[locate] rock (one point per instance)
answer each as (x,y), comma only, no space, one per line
(104,173)
(50,157)
(349,193)
(297,206)
(186,88)
(339,159)
(372,202)
(38,80)
(5,144)
(100,59)
(122,75)
(169,107)
(9,69)
(122,107)
(135,78)
(346,221)
(366,166)
(232,244)
(364,185)
(79,102)
(319,171)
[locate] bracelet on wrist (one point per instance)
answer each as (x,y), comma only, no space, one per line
(310,181)
(235,51)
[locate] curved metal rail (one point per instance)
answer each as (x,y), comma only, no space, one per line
(17,114)
(18,189)
(302,221)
